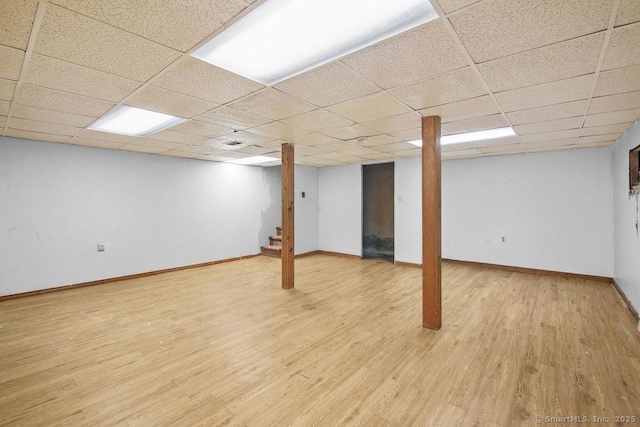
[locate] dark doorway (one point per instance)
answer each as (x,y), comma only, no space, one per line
(377,211)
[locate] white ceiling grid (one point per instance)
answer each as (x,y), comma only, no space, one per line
(565,74)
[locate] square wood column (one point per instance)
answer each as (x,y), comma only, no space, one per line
(288,217)
(431,234)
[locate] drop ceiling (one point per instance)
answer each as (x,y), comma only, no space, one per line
(565,74)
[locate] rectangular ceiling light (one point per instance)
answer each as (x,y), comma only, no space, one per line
(255,160)
(282,38)
(471,136)
(127,120)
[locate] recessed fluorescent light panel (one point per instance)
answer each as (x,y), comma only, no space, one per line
(255,160)
(471,136)
(283,38)
(127,120)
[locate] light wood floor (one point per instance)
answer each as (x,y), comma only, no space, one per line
(225,345)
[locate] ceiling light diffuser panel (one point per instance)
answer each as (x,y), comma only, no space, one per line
(125,120)
(282,38)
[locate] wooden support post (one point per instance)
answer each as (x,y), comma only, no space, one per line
(431,247)
(288,217)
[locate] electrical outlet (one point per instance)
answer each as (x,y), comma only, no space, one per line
(504,239)
(303,195)
(100,247)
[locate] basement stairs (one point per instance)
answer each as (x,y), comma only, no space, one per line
(275,245)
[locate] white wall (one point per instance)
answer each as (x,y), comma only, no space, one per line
(555,210)
(627,216)
(408,214)
(153,212)
(271,203)
(306,209)
(340,209)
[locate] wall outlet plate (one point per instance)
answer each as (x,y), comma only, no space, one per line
(100,247)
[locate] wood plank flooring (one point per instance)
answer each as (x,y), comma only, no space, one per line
(226,345)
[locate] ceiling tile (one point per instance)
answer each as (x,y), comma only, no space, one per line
(142,149)
(11,63)
(550,136)
(451,87)
(623,49)
(312,85)
(272,104)
(243,137)
(573,89)
(598,138)
(551,148)
(628,12)
(205,81)
(361,151)
(461,153)
(551,143)
(168,102)
(549,126)
(612,118)
(397,123)
(50,116)
(457,147)
(597,144)
(603,130)
(183,154)
(371,107)
(408,135)
(511,149)
(4,107)
(305,150)
(81,40)
(394,147)
(318,121)
(618,81)
(278,130)
(556,62)
(399,60)
(7,88)
(42,127)
(549,112)
(200,128)
(185,138)
(255,150)
(351,132)
(17,19)
(374,141)
(467,109)
(160,144)
(55,74)
(621,101)
(106,136)
(475,124)
(315,139)
(452,5)
(35,96)
(98,143)
(198,149)
(174,24)
(233,119)
(496,28)
(18,133)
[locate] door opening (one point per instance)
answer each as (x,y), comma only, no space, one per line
(377,212)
